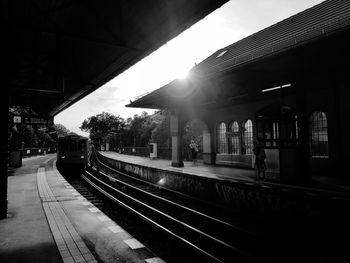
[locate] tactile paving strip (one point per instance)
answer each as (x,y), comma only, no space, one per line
(70,245)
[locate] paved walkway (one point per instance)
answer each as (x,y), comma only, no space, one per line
(25,235)
(49,221)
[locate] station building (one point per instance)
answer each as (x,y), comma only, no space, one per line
(287,84)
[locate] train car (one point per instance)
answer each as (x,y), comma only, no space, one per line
(72,151)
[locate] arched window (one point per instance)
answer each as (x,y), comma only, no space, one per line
(234,139)
(247,137)
(221,138)
(318,135)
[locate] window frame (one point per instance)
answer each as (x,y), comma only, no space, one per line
(221,138)
(247,140)
(234,140)
(318,127)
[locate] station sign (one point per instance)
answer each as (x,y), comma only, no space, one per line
(32,120)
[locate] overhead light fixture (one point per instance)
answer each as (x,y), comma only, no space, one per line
(46,91)
(278,87)
(266,90)
(222,53)
(286,85)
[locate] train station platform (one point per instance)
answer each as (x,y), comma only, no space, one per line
(198,169)
(49,221)
(244,175)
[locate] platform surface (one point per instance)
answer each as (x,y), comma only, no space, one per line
(49,221)
(199,169)
(321,183)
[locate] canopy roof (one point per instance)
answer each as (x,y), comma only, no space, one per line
(311,44)
(62,50)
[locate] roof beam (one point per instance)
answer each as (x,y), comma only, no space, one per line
(44,12)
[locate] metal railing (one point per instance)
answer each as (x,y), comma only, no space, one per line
(29,152)
(162,152)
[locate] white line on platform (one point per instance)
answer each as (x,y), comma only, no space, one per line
(116,229)
(133,243)
(94,210)
(103,218)
(154,260)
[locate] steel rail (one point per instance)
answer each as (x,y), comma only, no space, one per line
(163,215)
(169,201)
(152,184)
(111,197)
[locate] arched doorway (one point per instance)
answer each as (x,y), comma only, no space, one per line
(277,127)
(197,130)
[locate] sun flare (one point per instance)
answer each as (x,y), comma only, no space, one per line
(182,74)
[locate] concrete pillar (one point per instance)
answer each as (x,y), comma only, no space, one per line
(176,140)
(208,147)
(206,142)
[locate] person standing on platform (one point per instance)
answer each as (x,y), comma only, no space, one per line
(260,156)
(194,151)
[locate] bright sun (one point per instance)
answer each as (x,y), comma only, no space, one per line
(182,74)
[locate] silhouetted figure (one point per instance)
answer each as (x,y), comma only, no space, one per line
(260,156)
(194,151)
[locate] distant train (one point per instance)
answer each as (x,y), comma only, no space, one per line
(72,151)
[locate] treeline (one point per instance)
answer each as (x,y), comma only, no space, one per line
(28,136)
(103,128)
(137,131)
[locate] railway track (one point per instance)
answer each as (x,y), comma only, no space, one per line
(174,225)
(156,241)
(208,230)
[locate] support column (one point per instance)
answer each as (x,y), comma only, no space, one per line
(338,127)
(343,126)
(176,140)
(208,147)
(4,115)
(303,175)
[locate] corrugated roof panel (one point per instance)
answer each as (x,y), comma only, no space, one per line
(329,15)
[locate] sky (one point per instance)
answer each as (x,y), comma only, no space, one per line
(226,25)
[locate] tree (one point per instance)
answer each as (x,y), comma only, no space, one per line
(161,134)
(45,139)
(102,127)
(60,130)
(23,135)
(139,129)
(30,136)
